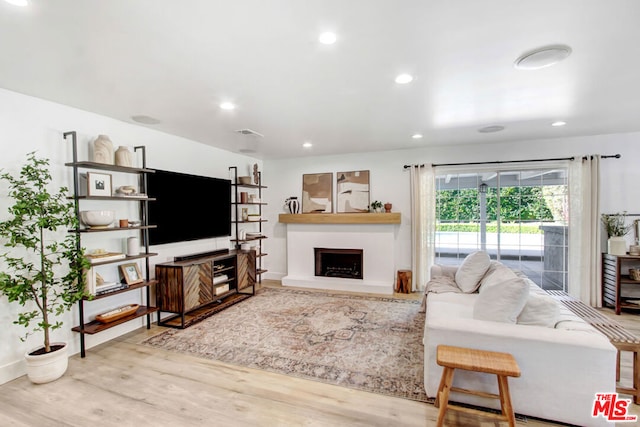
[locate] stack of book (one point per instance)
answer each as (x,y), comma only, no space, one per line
(108,287)
(96,256)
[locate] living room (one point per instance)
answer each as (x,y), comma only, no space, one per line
(32,123)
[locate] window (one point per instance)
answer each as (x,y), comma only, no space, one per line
(520,217)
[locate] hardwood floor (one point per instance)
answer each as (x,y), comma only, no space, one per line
(122,383)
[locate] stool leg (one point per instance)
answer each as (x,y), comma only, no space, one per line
(443,394)
(636,377)
(505,400)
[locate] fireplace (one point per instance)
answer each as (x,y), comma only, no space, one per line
(343,263)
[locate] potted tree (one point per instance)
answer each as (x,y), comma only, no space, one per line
(42,272)
(616,228)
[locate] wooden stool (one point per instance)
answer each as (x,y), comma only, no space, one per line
(501,364)
(403,284)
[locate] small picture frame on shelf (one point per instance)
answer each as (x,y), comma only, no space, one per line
(98,184)
(131,273)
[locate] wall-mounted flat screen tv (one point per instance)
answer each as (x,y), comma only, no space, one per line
(187,207)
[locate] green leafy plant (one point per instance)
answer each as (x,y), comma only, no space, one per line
(376,204)
(615,224)
(41,273)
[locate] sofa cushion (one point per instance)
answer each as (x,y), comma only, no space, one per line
(540,310)
(496,273)
(471,270)
(503,301)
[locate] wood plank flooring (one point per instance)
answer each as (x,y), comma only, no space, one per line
(122,383)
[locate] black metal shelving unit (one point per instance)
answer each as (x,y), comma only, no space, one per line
(93,327)
(237,218)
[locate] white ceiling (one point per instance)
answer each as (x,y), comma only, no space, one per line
(177,60)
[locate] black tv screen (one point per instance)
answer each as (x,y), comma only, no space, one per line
(187,207)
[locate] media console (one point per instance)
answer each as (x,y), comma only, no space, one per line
(194,287)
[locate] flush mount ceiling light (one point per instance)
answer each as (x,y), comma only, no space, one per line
(307,145)
(416,136)
(491,129)
(145,120)
(21,3)
(558,123)
(403,79)
(327,38)
(542,57)
(228,106)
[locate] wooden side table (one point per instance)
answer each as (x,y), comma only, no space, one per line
(503,365)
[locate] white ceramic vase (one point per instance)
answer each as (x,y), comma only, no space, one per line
(617,245)
(124,157)
(103,150)
(47,367)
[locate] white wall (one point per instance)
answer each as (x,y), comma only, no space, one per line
(390,182)
(30,124)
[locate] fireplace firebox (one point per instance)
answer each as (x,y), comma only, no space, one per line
(344,263)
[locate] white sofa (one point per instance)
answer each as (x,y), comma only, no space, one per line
(562,366)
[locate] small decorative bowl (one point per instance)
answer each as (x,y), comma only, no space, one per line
(634,273)
(97,219)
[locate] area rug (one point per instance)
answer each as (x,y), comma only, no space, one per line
(362,342)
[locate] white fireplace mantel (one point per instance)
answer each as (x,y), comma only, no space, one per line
(376,241)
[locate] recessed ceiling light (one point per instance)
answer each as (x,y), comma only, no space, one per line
(491,129)
(328,38)
(227,106)
(21,3)
(558,123)
(542,57)
(416,136)
(307,145)
(146,120)
(404,79)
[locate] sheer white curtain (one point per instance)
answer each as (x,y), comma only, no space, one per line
(423,218)
(584,230)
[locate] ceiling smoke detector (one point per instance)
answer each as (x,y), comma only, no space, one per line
(249,132)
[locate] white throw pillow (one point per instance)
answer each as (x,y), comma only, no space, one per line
(471,270)
(540,310)
(496,273)
(502,302)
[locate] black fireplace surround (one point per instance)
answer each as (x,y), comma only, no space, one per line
(343,263)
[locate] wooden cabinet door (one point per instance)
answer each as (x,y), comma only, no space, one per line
(198,285)
(246,269)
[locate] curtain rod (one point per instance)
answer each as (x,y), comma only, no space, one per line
(616,156)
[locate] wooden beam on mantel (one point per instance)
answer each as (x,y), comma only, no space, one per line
(341,218)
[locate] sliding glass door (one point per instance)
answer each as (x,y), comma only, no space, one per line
(520,217)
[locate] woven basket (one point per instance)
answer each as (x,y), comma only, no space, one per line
(634,273)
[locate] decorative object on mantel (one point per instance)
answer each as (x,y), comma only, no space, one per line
(292,205)
(103,150)
(352,191)
(124,157)
(376,206)
(317,192)
(634,250)
(387,207)
(616,228)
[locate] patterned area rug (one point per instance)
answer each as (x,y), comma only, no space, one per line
(362,342)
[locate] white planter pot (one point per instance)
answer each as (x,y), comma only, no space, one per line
(617,245)
(47,367)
